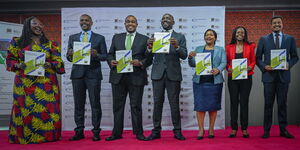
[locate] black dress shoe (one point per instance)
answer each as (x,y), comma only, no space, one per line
(112,138)
(179,136)
(211,136)
(153,137)
(231,135)
(265,135)
(286,134)
(141,137)
(96,137)
(245,134)
(78,136)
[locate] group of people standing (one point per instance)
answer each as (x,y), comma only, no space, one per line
(36,114)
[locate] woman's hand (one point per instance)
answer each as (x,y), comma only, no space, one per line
(20,66)
(192,54)
(215,71)
(47,65)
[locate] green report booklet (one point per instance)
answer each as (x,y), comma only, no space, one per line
(124,57)
(35,63)
(82,53)
(278,59)
(203,64)
(239,69)
(162,42)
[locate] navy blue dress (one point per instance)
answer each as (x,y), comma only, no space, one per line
(207,95)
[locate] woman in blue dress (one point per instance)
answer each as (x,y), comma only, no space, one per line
(208,88)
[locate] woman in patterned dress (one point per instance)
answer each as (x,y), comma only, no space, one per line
(35,116)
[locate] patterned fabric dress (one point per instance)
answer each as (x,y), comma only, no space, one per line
(35,116)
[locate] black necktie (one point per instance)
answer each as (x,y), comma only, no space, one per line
(277,40)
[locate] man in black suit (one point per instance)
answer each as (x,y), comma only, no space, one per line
(166,74)
(132,83)
(87,77)
(276,82)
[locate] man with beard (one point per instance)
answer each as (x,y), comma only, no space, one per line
(87,77)
(276,82)
(166,74)
(132,83)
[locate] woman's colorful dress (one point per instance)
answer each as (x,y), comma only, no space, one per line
(35,116)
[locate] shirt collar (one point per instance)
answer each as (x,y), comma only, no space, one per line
(170,31)
(88,32)
(274,33)
(133,34)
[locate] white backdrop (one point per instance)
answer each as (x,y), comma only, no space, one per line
(7,31)
(190,21)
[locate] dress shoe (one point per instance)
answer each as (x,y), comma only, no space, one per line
(112,138)
(211,134)
(245,134)
(200,136)
(232,134)
(153,137)
(265,135)
(141,137)
(286,134)
(96,137)
(179,136)
(78,136)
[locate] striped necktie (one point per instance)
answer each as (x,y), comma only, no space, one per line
(85,37)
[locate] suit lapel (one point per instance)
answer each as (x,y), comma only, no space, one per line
(122,40)
(77,37)
(270,37)
(134,44)
(92,37)
(283,41)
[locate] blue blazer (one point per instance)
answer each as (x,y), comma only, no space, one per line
(219,62)
(263,57)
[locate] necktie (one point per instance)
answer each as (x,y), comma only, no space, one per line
(85,37)
(277,41)
(128,42)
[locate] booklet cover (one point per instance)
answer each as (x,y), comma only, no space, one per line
(239,69)
(124,57)
(35,63)
(278,59)
(82,53)
(161,43)
(203,64)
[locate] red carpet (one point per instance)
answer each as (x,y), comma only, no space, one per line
(167,142)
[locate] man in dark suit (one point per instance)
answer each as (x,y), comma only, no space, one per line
(166,74)
(132,83)
(276,82)
(87,77)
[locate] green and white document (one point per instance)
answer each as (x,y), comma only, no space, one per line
(278,59)
(203,64)
(161,43)
(82,53)
(124,57)
(34,63)
(239,69)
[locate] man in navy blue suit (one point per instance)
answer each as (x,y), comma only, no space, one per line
(87,78)
(276,82)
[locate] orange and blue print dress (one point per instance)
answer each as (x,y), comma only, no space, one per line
(35,115)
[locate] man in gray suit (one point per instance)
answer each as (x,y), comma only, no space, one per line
(166,74)
(87,77)
(132,83)
(276,82)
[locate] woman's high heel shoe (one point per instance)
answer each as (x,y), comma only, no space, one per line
(245,134)
(200,137)
(232,134)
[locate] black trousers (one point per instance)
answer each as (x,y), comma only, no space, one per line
(120,92)
(279,90)
(79,91)
(239,91)
(173,90)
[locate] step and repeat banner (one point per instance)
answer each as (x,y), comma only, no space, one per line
(190,21)
(7,32)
